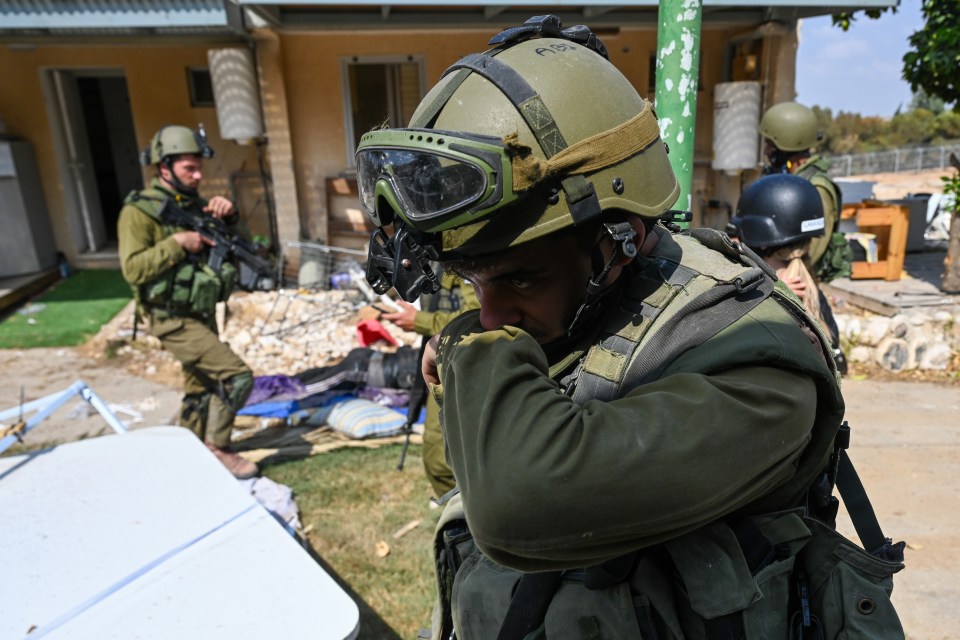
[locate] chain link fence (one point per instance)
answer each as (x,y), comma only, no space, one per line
(893,161)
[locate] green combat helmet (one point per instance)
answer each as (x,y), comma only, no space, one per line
(790,126)
(539,133)
(174,140)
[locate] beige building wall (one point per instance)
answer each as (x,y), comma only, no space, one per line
(157,84)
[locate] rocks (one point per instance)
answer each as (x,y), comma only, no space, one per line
(914,339)
(289,331)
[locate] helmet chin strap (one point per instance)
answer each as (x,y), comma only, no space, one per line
(622,234)
(190,192)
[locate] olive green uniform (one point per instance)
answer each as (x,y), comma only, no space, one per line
(454,297)
(216,381)
(829,253)
(740,424)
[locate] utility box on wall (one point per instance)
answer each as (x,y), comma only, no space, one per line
(26,244)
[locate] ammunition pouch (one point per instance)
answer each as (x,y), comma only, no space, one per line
(781,575)
(189,289)
(837,259)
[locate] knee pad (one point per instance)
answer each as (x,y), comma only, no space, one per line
(194,410)
(237,389)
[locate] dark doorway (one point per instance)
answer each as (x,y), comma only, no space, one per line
(108,122)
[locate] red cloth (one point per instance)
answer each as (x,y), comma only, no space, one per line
(370,330)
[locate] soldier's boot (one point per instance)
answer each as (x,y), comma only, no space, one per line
(240,467)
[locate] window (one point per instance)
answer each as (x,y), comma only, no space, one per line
(201,87)
(378,92)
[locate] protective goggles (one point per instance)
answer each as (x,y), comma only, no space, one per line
(434,179)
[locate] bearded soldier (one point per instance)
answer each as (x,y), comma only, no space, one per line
(177,292)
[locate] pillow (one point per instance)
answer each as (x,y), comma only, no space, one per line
(360,418)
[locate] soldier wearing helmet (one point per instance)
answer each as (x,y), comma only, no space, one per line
(177,292)
(627,398)
(791,133)
(779,216)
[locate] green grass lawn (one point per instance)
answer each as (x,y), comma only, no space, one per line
(350,500)
(68,313)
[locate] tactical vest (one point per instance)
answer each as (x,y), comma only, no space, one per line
(447,298)
(189,288)
(836,257)
(734,578)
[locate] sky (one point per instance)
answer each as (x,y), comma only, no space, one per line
(859,70)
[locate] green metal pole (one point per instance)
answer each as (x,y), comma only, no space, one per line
(678,67)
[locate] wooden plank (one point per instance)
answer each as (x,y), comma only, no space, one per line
(880,217)
(866,270)
(860,300)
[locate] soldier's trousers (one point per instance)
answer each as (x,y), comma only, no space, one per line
(434,454)
(216,382)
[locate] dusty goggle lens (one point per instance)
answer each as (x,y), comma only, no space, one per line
(426,185)
(436,180)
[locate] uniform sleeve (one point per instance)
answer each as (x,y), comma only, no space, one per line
(548,484)
(144,253)
(429,323)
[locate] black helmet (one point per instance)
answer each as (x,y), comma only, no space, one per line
(777,210)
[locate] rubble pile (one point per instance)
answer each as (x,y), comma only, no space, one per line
(275,332)
(288,331)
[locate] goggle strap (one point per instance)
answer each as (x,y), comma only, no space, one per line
(523,97)
(429,114)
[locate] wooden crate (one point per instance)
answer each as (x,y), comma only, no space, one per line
(889,223)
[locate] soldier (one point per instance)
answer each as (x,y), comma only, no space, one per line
(634,417)
(178,293)
(790,133)
(454,297)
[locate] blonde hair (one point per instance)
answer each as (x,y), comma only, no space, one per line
(797,257)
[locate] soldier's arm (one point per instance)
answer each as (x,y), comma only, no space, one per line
(548,484)
(144,253)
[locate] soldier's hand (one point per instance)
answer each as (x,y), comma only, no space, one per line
(219,207)
(191,241)
(428,366)
(796,285)
(404,318)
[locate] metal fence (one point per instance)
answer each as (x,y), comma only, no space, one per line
(321,267)
(893,161)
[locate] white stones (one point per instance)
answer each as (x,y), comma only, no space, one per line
(938,356)
(854,329)
(899,326)
(288,332)
(893,354)
(875,330)
(914,339)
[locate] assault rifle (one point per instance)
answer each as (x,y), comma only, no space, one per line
(254,273)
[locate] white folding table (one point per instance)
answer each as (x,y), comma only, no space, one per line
(145,535)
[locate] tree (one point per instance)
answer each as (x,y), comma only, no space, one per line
(922,100)
(933,65)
